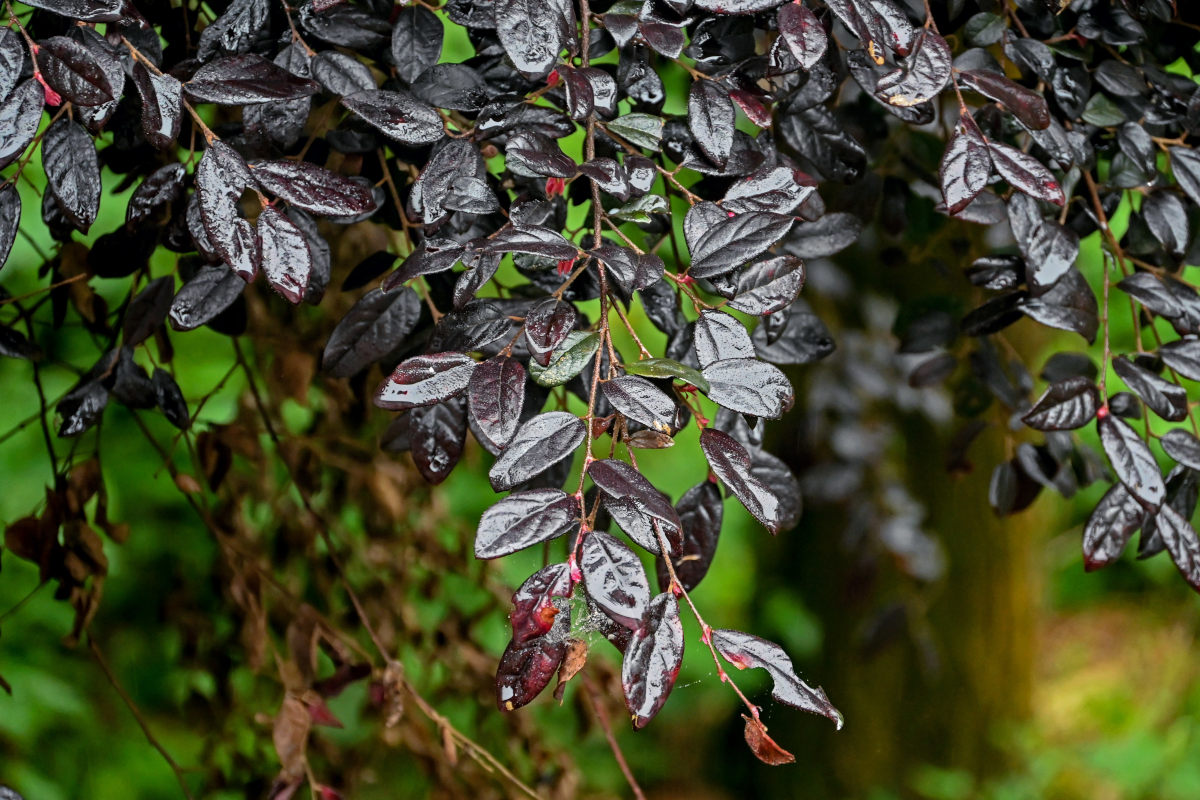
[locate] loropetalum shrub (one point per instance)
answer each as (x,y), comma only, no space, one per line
(589,159)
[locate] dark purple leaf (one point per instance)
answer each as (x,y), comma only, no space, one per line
(340,74)
(1069,305)
(74,71)
(496,398)
(526,669)
(1182,446)
(1131,460)
(162,106)
(1181,542)
(398,115)
(539,444)
(531,32)
(700,513)
(776,189)
(652,660)
(1185,166)
(430,257)
(966,165)
(534,608)
(20,115)
(10,220)
(244,79)
(425,380)
(768,286)
(718,336)
(286,259)
(738,6)
(614,579)
(1050,249)
(830,234)
(621,482)
(169,398)
(235,30)
(1167,219)
(1108,528)
(1164,398)
(731,464)
(1183,356)
(533,240)
(1065,405)
(1026,173)
(748,386)
(746,651)
(803,34)
(454,87)
(221,178)
(211,291)
(734,241)
(72,172)
(83,10)
(375,326)
(924,73)
(416,41)
(437,435)
(642,401)
(1027,105)
(148,310)
(609,175)
(524,519)
(12,59)
(711,119)
(315,189)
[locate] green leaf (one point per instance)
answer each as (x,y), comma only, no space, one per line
(567,361)
(640,130)
(1102,112)
(639,210)
(667,368)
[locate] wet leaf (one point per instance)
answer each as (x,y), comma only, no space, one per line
(652,660)
(531,34)
(1164,398)
(235,30)
(539,444)
(83,10)
(397,115)
(730,462)
(200,300)
(74,71)
(10,220)
(315,189)
(286,259)
(700,514)
(72,172)
(437,435)
(148,310)
(534,609)
(923,74)
(496,398)
(567,360)
(768,286)
(20,115)
(746,651)
(416,41)
(526,669)
(1065,405)
(162,106)
(245,79)
(1026,173)
(1109,527)
(719,336)
(966,165)
(1181,542)
(621,482)
(546,326)
(524,519)
(668,368)
(375,326)
(1182,446)
(425,380)
(1028,106)
(748,386)
(1131,460)
(640,130)
(1183,356)
(803,34)
(614,579)
(734,241)
(711,119)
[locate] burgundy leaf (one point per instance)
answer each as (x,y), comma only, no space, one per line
(768,286)
(147,310)
(924,73)
(621,481)
(734,241)
(72,172)
(425,380)
(1183,356)
(74,71)
(539,444)
(1027,105)
(496,397)
(1181,542)
(1109,526)
(1182,446)
(235,30)
(1026,173)
(711,119)
(83,10)
(642,401)
(398,115)
(1131,460)
(286,258)
(1167,400)
(803,34)
(748,386)
(966,165)
(244,79)
(533,240)
(212,290)
(524,519)
(526,669)
(437,435)
(416,41)
(730,462)
(746,651)
(313,188)
(614,579)
(531,34)
(652,660)
(375,326)
(1065,405)
(162,105)
(534,609)
(20,115)
(10,220)
(719,336)
(700,513)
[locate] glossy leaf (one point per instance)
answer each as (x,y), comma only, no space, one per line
(652,661)
(966,165)
(718,336)
(496,398)
(375,326)
(534,608)
(1132,461)
(1026,173)
(746,651)
(641,401)
(614,579)
(803,34)
(1065,405)
(315,189)
(1166,399)
(74,71)
(20,114)
(287,261)
(701,513)
(748,386)
(768,286)
(711,119)
(398,115)
(425,380)
(416,41)
(1109,527)
(735,241)
(526,669)
(162,106)
(539,444)
(923,74)
(72,172)
(246,78)
(524,519)
(622,482)
(567,360)
(668,368)
(731,464)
